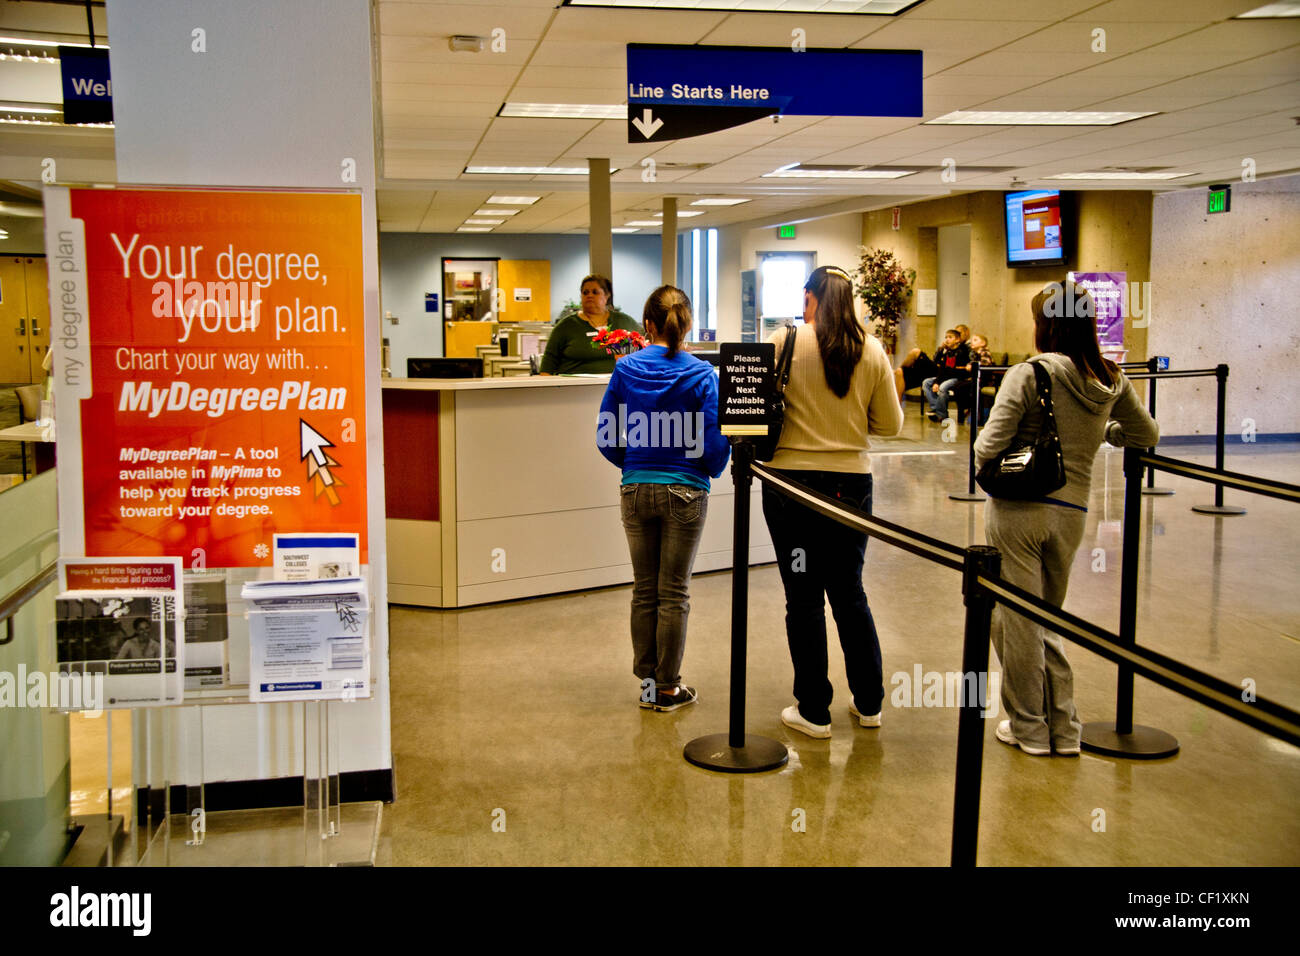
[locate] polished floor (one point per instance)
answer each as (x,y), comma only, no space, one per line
(518,741)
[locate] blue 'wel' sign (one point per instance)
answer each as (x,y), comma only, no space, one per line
(777,79)
(87,87)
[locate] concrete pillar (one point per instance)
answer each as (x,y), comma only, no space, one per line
(668,256)
(600,243)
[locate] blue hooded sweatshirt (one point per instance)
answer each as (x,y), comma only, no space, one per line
(659,420)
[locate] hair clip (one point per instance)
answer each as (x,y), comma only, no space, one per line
(835,270)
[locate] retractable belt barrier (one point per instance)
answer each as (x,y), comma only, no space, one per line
(982,589)
(1152,375)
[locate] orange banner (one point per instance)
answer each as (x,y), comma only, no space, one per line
(225,339)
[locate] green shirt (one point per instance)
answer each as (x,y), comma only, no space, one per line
(569,348)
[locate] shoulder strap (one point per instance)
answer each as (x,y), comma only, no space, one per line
(1044,389)
(787,356)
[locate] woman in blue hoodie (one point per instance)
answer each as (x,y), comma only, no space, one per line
(659,423)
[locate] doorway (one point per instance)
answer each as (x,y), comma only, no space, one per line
(954,280)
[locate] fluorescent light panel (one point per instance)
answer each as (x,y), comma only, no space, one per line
(623,229)
(601,111)
(1287,9)
(685,213)
(717,201)
(474,229)
(1118,176)
(867,7)
(786,172)
(29,108)
(495,212)
(528,170)
(47,44)
(484,222)
(1034,118)
(513,201)
(643,222)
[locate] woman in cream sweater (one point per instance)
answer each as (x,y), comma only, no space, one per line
(841,389)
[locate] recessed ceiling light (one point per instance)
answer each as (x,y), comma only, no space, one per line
(869,7)
(601,111)
(484,222)
(1291,8)
(800,172)
(528,170)
(513,201)
(717,201)
(1118,176)
(495,212)
(28,41)
(474,229)
(12,107)
(1034,118)
(685,213)
(643,222)
(624,229)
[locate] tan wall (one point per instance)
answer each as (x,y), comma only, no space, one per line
(1113,235)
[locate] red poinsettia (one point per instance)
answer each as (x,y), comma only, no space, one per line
(619,341)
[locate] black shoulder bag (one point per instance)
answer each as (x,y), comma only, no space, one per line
(1033,469)
(765,448)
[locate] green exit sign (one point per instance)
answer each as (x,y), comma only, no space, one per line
(785,232)
(1220,199)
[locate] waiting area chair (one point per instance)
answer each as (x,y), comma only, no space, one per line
(29,410)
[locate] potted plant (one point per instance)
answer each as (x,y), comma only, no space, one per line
(884,286)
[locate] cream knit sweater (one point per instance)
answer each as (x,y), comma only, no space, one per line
(822,431)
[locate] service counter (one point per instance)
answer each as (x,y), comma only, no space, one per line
(495,490)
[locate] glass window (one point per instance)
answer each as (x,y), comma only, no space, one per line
(781,277)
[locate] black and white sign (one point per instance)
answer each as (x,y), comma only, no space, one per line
(746,386)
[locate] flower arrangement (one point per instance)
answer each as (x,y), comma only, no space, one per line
(619,341)
(884,286)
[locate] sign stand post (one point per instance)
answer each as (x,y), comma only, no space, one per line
(737,751)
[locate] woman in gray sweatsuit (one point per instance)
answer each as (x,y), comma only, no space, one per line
(1091,400)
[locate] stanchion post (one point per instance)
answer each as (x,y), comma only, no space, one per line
(1221,379)
(1153,366)
(1122,738)
(737,751)
(970,494)
(986,561)
(741,458)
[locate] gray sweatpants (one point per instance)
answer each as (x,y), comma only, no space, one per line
(1037,542)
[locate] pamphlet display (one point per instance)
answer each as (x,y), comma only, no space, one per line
(304,557)
(207,631)
(309,640)
(120,620)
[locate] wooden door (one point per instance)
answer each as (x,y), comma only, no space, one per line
(15,352)
(525,286)
(38,315)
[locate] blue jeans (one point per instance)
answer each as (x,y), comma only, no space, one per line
(939,400)
(663,524)
(818,556)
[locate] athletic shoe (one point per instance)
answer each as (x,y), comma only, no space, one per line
(1066,751)
(664,703)
(1005,735)
(871,720)
(792,718)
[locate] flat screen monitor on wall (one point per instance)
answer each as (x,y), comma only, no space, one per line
(1034,229)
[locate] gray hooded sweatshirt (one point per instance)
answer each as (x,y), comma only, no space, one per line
(1086,412)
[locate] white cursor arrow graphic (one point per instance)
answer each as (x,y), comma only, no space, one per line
(647,124)
(319,463)
(312,442)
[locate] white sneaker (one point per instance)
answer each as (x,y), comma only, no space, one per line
(792,718)
(870,720)
(1005,735)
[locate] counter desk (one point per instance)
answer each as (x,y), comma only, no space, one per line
(495,490)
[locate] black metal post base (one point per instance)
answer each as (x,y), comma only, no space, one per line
(1144,743)
(1157,490)
(967,496)
(1218,510)
(714,752)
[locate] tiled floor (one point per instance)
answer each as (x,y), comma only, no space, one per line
(517,738)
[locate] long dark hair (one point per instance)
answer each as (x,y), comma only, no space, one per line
(839,334)
(667,313)
(1065,321)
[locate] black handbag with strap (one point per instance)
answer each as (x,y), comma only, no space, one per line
(765,448)
(1029,470)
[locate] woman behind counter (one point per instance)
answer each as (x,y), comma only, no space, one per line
(570,350)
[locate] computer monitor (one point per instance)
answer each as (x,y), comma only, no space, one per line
(444,368)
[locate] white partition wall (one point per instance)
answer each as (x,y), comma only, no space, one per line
(263,93)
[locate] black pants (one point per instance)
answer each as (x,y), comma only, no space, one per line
(818,556)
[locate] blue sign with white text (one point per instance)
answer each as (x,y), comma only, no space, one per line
(87,86)
(777,79)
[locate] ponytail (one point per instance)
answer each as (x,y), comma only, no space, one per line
(840,336)
(667,315)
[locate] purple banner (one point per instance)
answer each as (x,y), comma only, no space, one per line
(1108,292)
